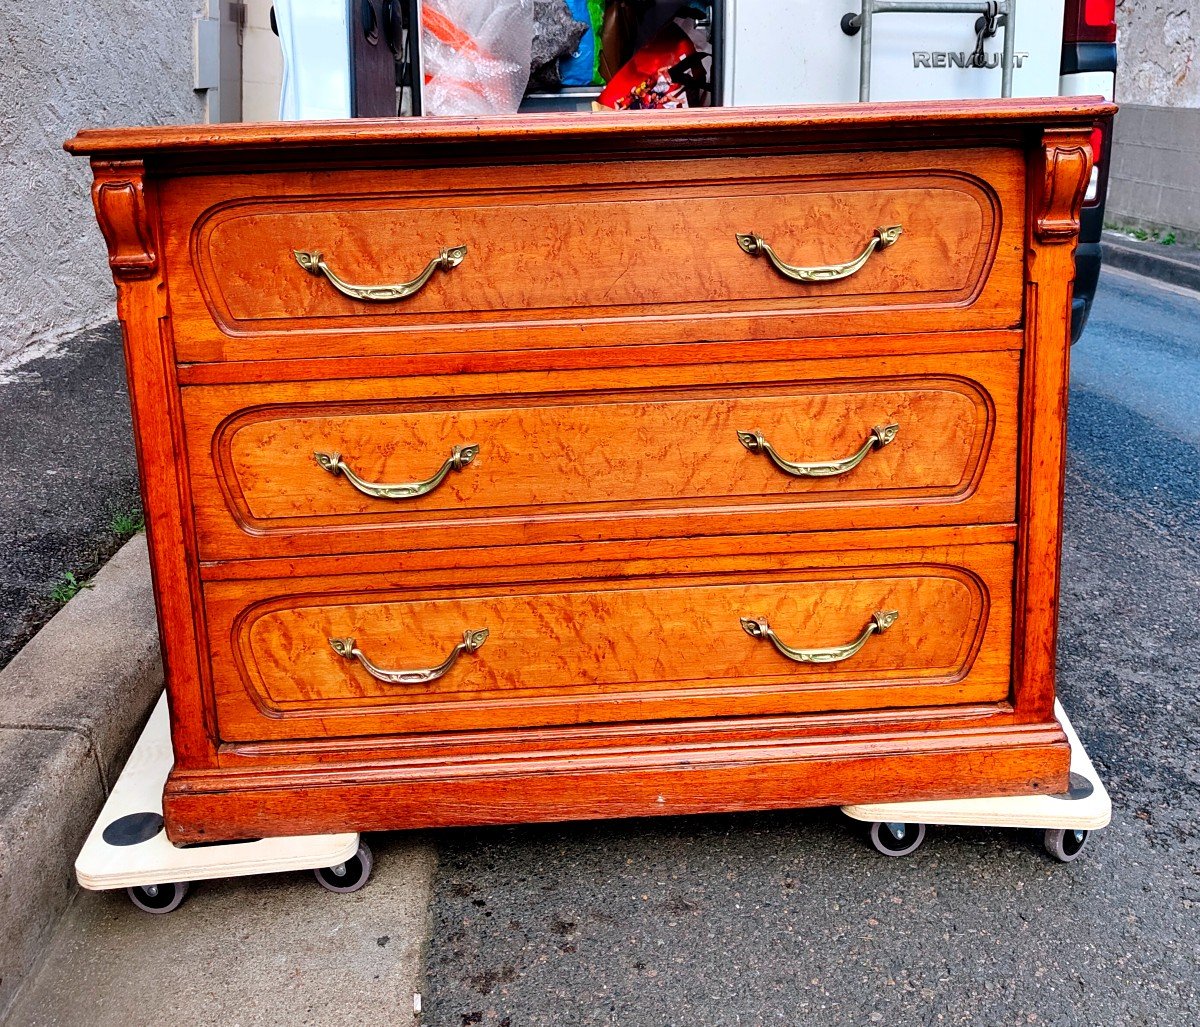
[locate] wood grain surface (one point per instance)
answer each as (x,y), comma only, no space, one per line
(126,211)
(620,253)
(687,772)
(635,648)
(535,252)
(1058,173)
(568,461)
(363,140)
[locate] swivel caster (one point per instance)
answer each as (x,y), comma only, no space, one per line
(348,876)
(158,898)
(1065,844)
(897,839)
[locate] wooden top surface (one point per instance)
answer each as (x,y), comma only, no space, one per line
(712,125)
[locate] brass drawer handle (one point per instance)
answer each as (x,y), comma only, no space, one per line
(472,641)
(314,263)
(881,435)
(756,245)
(460,457)
(880,621)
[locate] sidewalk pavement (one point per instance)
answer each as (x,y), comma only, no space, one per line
(71,703)
(252,951)
(1175,265)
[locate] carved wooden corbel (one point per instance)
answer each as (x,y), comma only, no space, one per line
(1066,165)
(120,203)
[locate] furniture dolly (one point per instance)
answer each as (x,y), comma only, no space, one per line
(128,847)
(898,828)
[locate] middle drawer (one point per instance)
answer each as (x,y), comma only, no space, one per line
(379,465)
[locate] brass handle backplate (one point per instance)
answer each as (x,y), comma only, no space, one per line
(460,457)
(880,436)
(472,641)
(314,263)
(881,620)
(757,246)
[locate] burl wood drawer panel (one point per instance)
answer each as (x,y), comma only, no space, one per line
(315,468)
(324,657)
(612,253)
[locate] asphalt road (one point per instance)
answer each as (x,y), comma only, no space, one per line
(67,469)
(791,919)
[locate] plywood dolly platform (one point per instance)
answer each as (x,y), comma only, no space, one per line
(898,828)
(128,848)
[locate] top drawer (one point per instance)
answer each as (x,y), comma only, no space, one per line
(608,254)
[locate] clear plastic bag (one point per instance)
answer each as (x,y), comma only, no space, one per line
(475,55)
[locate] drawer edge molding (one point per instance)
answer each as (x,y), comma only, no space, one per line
(433,327)
(786,769)
(578,651)
(539,491)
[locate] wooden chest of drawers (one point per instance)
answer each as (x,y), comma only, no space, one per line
(580,466)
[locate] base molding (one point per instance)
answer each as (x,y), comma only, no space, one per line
(779,768)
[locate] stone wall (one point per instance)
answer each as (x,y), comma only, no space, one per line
(67,65)
(1153,181)
(1158,56)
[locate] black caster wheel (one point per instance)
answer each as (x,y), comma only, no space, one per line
(348,876)
(158,898)
(897,839)
(1065,844)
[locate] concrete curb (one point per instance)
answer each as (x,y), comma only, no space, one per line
(71,704)
(1149,259)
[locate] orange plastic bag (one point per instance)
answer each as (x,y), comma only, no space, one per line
(475,56)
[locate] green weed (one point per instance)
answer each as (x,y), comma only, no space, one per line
(126,525)
(68,587)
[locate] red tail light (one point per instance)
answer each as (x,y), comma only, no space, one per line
(1098,185)
(1090,21)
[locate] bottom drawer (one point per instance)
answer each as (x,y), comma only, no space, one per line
(738,635)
